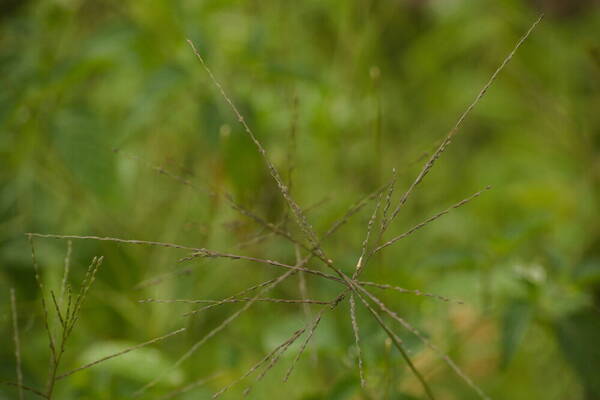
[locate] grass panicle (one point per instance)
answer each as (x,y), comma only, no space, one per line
(67,314)
(352,288)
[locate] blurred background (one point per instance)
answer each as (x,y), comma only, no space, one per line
(364,87)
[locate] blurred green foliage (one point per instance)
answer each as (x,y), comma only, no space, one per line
(378,83)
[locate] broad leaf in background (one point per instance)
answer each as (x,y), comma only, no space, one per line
(517,317)
(578,336)
(129,365)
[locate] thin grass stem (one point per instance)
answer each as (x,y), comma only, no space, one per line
(24,387)
(120,353)
(416,292)
(17,342)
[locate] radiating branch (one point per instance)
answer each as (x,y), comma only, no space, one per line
(425,341)
(120,353)
(455,129)
(430,219)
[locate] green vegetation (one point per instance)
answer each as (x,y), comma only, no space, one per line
(110,126)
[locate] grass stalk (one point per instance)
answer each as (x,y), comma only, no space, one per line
(17,342)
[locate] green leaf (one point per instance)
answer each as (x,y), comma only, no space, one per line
(588,272)
(344,389)
(578,336)
(514,325)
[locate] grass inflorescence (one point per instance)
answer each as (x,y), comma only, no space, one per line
(62,311)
